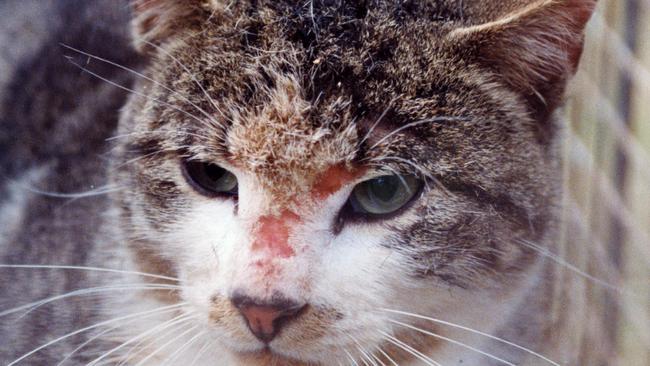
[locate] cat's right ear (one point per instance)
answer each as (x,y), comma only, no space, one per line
(534,50)
(154,21)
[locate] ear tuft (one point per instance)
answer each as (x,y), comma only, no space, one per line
(536,49)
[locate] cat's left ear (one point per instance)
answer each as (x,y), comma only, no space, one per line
(154,21)
(534,50)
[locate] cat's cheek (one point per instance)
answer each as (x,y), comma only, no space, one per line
(196,244)
(359,276)
(198,231)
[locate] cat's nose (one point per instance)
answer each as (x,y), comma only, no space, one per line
(265,319)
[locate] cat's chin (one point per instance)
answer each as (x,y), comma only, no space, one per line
(281,354)
(267,356)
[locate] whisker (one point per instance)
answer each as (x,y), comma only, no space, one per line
(85,329)
(165,330)
(421,171)
(83,268)
(474,331)
(419,355)
(136,92)
(86,291)
(87,342)
(354,362)
(413,124)
(364,353)
(142,157)
(182,348)
(453,341)
(91,193)
(201,351)
(100,334)
(571,267)
(386,355)
(161,133)
(165,345)
(206,114)
(381,117)
(179,319)
(192,75)
(381,363)
(364,358)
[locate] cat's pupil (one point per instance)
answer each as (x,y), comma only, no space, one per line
(384,188)
(214,172)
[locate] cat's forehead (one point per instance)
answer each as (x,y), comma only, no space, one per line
(285,147)
(298,96)
(333,49)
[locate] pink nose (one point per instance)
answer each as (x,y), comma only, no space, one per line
(265,319)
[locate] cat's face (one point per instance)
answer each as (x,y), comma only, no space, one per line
(303,171)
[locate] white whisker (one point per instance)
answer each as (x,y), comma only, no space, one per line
(453,341)
(100,334)
(161,133)
(179,63)
(85,329)
(419,355)
(201,351)
(91,193)
(142,157)
(419,170)
(86,291)
(182,348)
(381,117)
(206,114)
(386,355)
(571,267)
(413,124)
(364,353)
(352,360)
(179,319)
(165,345)
(83,268)
(136,92)
(458,326)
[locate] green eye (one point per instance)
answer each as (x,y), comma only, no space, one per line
(385,194)
(210,179)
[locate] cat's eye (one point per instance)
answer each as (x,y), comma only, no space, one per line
(384,195)
(210,179)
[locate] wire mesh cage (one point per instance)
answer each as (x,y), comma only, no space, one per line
(607,176)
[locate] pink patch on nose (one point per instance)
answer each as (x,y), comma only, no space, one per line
(272,234)
(332,180)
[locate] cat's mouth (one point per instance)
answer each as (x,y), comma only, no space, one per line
(284,333)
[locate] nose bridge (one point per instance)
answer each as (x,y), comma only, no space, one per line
(271,233)
(284,231)
(269,255)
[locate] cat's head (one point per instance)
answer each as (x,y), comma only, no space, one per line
(304,166)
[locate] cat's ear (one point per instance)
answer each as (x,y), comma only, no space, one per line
(534,50)
(156,20)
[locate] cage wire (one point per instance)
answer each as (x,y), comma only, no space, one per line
(606,203)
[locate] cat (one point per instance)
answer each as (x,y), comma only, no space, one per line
(289,183)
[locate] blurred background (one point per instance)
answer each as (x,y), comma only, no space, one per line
(607,175)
